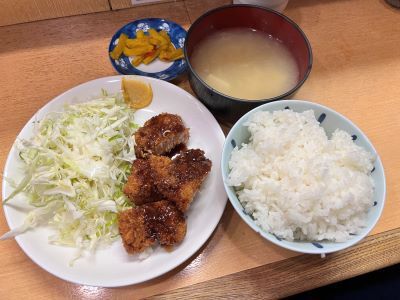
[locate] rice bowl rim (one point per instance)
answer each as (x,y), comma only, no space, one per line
(318,247)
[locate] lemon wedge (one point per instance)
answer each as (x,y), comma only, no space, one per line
(137,94)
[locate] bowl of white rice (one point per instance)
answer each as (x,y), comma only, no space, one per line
(303,176)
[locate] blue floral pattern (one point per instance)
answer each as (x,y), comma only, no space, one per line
(177,34)
(142,26)
(164,26)
(181,42)
(321,118)
(318,245)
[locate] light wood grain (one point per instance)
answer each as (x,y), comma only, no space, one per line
(197,8)
(21,11)
(291,276)
(120,4)
(356,72)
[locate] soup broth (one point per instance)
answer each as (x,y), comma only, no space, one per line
(245,64)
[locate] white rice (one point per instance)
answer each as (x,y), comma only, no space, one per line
(297,183)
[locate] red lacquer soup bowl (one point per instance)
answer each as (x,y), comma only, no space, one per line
(245,16)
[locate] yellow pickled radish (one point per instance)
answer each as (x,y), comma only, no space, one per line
(137,94)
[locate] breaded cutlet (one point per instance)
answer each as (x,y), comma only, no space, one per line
(134,232)
(175,180)
(166,222)
(180,181)
(140,187)
(142,226)
(160,134)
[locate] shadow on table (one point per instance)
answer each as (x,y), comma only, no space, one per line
(381,284)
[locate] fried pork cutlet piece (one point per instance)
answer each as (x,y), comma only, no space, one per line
(142,226)
(140,187)
(160,135)
(160,177)
(180,181)
(132,227)
(166,222)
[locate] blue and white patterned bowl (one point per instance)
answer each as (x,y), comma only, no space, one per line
(329,120)
(157,69)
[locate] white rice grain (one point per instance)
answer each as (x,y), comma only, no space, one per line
(297,183)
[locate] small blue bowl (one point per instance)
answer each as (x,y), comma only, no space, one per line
(329,120)
(157,69)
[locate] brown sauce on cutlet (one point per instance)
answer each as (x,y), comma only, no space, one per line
(147,191)
(159,127)
(161,219)
(166,123)
(143,170)
(148,212)
(190,165)
(153,216)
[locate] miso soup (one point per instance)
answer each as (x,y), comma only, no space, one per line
(245,64)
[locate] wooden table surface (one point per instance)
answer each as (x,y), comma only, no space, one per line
(356,71)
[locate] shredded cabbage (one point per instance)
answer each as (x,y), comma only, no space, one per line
(75,167)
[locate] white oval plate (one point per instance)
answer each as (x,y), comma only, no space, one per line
(113,267)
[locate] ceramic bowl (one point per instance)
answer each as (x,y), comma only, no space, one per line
(258,18)
(156,69)
(329,120)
